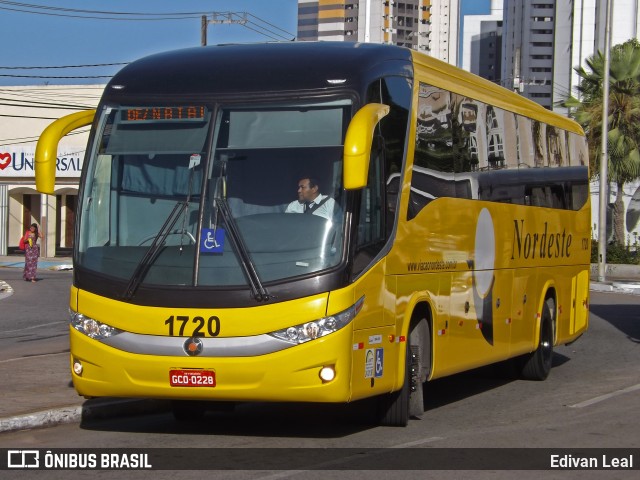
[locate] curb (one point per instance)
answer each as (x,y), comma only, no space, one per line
(629,288)
(99,409)
(5,289)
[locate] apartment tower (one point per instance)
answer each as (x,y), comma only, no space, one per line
(429,26)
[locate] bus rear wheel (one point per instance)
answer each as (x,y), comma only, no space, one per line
(537,365)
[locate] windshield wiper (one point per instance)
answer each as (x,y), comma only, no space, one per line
(153,251)
(258,290)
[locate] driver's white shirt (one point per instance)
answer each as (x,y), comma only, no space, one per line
(325,210)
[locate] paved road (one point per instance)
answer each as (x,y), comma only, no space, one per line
(590,401)
(35,317)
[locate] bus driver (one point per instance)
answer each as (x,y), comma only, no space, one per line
(310,200)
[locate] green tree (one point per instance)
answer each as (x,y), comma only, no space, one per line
(623,139)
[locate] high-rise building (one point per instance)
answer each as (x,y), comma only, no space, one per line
(544,41)
(527,45)
(482,43)
(430,26)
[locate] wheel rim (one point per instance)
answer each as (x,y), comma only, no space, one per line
(546,344)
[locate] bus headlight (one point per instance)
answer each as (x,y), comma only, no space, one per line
(322,327)
(90,327)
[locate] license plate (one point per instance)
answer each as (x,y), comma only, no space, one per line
(192,378)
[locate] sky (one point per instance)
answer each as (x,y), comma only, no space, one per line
(85,36)
(49,33)
(76,33)
(476,7)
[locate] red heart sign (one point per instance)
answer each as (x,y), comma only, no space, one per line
(5,160)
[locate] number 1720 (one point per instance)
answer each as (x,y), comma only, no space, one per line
(194,326)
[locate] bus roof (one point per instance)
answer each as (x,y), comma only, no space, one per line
(265,69)
(441,74)
(226,70)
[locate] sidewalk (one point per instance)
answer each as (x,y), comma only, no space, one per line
(57,263)
(37,390)
(17,261)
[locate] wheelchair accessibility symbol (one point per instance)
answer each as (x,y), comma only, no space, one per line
(212,241)
(379,362)
(374,363)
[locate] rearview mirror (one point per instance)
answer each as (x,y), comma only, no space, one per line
(357,144)
(47,147)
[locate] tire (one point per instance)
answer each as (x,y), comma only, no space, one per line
(537,365)
(188,410)
(417,373)
(395,409)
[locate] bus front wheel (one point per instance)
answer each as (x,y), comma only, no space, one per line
(395,409)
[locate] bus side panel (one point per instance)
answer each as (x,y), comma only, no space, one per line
(572,302)
(499,261)
(376,353)
(433,289)
(580,306)
(525,296)
(377,360)
(480,323)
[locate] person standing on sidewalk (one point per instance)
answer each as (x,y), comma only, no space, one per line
(31,252)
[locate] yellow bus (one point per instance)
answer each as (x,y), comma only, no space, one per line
(451,228)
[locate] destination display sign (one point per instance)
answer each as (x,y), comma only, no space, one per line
(182,113)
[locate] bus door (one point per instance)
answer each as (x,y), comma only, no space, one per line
(375,354)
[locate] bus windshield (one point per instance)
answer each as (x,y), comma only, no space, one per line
(205,196)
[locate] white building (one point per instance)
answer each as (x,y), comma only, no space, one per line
(27,112)
(584,35)
(482,41)
(579,35)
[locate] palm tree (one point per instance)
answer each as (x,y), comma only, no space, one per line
(623,140)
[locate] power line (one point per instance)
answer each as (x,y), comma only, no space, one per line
(97,12)
(241,18)
(282,37)
(13,141)
(271,24)
(66,66)
(94,14)
(78,107)
(75,10)
(136,16)
(59,76)
(90,17)
(29,116)
(262,33)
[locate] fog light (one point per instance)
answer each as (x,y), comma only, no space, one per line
(327,374)
(77,367)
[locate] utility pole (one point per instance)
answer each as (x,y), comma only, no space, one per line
(604,159)
(220,18)
(203,31)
